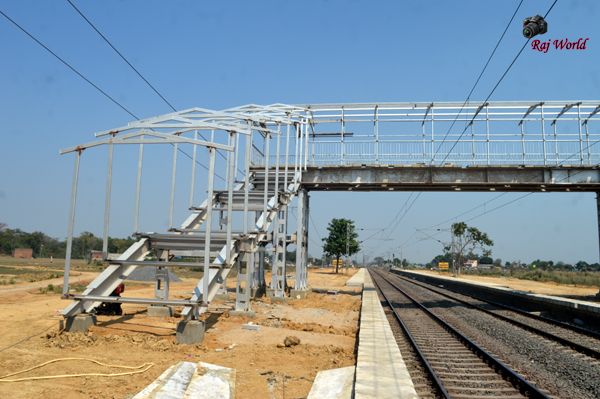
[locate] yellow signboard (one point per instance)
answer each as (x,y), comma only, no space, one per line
(443,265)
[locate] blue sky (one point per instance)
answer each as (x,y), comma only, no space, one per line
(219,54)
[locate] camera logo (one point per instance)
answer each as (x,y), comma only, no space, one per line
(537,25)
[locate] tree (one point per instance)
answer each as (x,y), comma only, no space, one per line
(342,239)
(486,260)
(467,239)
(378,260)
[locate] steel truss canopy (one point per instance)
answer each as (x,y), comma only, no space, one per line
(284,151)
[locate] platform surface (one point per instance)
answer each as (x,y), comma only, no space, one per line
(380,369)
(358,279)
(591,307)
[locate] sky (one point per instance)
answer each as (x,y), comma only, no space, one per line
(223,54)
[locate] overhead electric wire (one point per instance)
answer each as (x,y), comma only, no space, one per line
(477,80)
(71,67)
(82,76)
(121,55)
(150,85)
(494,88)
(404,214)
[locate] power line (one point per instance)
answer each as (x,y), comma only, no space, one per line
(121,55)
(478,79)
(91,24)
(404,214)
(493,89)
(71,67)
(486,99)
(91,83)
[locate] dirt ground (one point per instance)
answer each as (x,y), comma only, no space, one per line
(325,324)
(536,287)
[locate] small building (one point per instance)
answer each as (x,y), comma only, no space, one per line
(97,256)
(22,253)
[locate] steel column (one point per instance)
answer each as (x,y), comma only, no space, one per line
(107,202)
(300,238)
(208,226)
(287,156)
(173,181)
(266,189)
(580,135)
(193,178)
(230,182)
(247,179)
(138,188)
(543,133)
(71,225)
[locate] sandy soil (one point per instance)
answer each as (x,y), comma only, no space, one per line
(325,324)
(536,287)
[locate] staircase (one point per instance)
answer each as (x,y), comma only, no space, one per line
(268,200)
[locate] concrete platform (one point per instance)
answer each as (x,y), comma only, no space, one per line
(553,301)
(333,384)
(192,380)
(380,370)
(358,279)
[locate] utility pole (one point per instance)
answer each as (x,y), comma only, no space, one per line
(347,240)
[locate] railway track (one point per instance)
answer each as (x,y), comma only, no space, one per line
(578,339)
(457,367)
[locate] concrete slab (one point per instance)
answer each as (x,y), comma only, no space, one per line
(358,279)
(80,323)
(333,384)
(160,311)
(298,294)
(380,369)
(187,380)
(189,332)
(244,313)
(589,307)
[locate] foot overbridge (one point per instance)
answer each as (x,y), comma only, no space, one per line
(259,160)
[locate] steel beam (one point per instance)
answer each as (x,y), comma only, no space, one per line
(71,224)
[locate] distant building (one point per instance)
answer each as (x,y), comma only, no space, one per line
(22,253)
(96,256)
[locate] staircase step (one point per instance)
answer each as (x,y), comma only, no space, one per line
(155,263)
(147,301)
(197,241)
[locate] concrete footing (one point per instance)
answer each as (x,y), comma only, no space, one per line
(333,384)
(298,294)
(257,292)
(244,313)
(190,332)
(271,294)
(80,323)
(192,380)
(160,311)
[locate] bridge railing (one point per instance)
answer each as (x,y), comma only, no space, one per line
(496,133)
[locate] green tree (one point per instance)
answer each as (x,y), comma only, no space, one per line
(342,239)
(467,239)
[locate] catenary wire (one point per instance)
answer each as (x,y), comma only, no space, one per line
(493,89)
(477,80)
(91,83)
